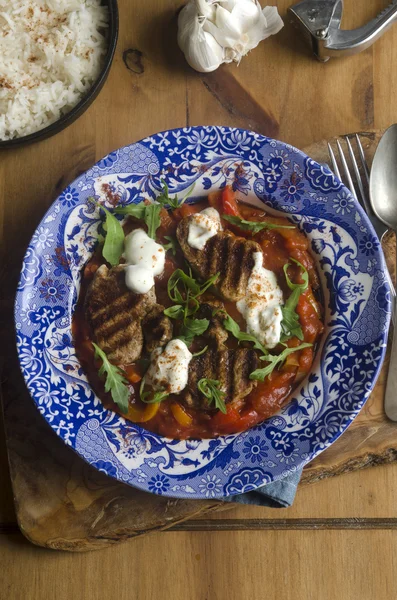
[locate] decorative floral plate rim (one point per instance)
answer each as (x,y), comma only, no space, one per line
(356,295)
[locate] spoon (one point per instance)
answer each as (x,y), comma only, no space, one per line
(383,195)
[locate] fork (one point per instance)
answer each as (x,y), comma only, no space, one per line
(363,186)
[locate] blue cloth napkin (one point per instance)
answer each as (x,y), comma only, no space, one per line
(278,494)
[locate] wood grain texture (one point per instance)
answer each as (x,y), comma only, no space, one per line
(279,90)
(276,565)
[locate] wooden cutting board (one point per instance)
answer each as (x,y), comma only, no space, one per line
(63,503)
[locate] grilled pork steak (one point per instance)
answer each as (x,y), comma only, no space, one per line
(231,368)
(224,253)
(115,314)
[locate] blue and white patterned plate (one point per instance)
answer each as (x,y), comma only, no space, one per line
(356,293)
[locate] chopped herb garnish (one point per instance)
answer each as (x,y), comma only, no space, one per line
(172,203)
(233,327)
(180,285)
(152,219)
(133,210)
(115,382)
(191,328)
(211,390)
(114,241)
(184,290)
(274,361)
(151,396)
(200,352)
(254,226)
(172,244)
(149,213)
(290,325)
(174,312)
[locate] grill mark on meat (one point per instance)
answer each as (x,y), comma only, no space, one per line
(126,306)
(248,366)
(209,256)
(223,257)
(126,302)
(123,341)
(229,384)
(216,255)
(236,257)
(109,328)
(247,262)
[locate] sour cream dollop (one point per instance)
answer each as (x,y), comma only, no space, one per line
(145,259)
(202,227)
(261,306)
(169,367)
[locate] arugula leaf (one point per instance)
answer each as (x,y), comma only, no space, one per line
(207,284)
(152,219)
(233,327)
(173,203)
(184,290)
(115,382)
(191,328)
(210,389)
(132,210)
(114,241)
(175,280)
(172,244)
(290,325)
(254,226)
(149,213)
(164,198)
(151,396)
(305,276)
(274,360)
(189,284)
(200,352)
(174,312)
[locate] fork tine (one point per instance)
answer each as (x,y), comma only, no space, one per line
(346,169)
(364,197)
(333,160)
(362,156)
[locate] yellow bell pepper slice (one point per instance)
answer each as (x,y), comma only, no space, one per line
(141,415)
(181,415)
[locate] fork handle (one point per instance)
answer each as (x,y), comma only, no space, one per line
(391,387)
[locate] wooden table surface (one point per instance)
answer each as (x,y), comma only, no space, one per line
(337,541)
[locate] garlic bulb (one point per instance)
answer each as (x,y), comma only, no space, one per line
(212,32)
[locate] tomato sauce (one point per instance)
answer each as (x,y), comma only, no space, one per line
(170,417)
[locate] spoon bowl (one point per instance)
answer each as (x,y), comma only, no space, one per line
(383,196)
(383,182)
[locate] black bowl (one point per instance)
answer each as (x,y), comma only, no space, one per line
(86,101)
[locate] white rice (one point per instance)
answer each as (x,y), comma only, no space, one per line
(51,52)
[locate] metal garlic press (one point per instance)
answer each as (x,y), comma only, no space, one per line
(320,20)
